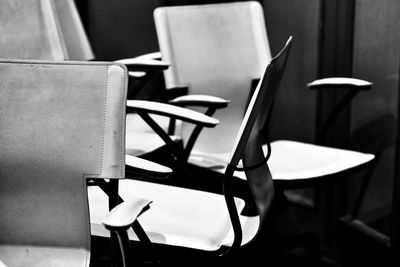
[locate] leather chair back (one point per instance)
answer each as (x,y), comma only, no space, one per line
(60,123)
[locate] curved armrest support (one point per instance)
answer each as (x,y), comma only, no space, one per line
(146,168)
(200,101)
(340,82)
(125,214)
(123,217)
(353,86)
(144,64)
(172,111)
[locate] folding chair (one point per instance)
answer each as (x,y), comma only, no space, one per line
(202,220)
(63,123)
(221,50)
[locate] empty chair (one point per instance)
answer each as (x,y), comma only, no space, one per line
(220,50)
(53,30)
(206,221)
(62,123)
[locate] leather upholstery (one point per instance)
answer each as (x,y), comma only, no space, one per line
(42,29)
(29,30)
(61,122)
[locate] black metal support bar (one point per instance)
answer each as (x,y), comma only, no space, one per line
(136,227)
(334,115)
(177,153)
(195,133)
(395,231)
(123,241)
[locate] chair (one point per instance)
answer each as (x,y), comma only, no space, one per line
(63,123)
(52,30)
(206,221)
(141,70)
(221,50)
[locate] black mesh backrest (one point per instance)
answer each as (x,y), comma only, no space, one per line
(248,144)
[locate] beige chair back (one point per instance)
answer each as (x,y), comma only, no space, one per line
(42,29)
(60,123)
(217,50)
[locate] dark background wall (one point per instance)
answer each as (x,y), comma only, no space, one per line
(376,58)
(120,29)
(295,104)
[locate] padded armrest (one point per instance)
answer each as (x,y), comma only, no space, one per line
(172,111)
(340,82)
(147,168)
(144,64)
(125,214)
(200,101)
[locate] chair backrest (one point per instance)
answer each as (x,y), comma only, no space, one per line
(248,144)
(60,123)
(42,29)
(215,49)
(74,36)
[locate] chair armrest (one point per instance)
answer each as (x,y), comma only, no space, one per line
(146,168)
(172,111)
(153,55)
(200,101)
(340,82)
(143,64)
(125,214)
(136,74)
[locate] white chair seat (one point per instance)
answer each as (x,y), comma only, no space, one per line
(291,160)
(178,216)
(140,138)
(42,256)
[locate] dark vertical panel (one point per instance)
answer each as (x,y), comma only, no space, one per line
(335,60)
(120,29)
(294,110)
(376,58)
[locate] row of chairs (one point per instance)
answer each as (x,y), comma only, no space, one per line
(217,56)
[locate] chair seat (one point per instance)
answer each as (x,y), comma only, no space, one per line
(140,138)
(17,256)
(291,160)
(179,217)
